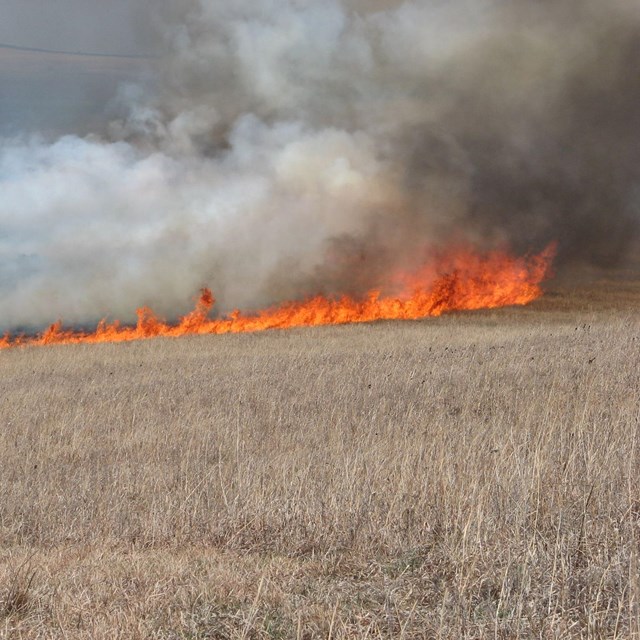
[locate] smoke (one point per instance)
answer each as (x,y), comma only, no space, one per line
(296,147)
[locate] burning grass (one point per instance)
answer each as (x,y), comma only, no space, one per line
(471,476)
(460,279)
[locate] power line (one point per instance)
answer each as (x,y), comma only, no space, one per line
(88,54)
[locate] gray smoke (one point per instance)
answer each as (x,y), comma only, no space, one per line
(295,147)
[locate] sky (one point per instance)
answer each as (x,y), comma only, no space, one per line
(88,25)
(55,94)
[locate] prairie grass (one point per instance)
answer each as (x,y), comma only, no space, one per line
(471,476)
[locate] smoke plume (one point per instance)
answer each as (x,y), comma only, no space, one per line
(291,147)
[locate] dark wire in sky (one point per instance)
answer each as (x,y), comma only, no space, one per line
(92,54)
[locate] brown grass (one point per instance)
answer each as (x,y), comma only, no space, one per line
(466,477)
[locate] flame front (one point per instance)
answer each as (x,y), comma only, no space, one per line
(462,280)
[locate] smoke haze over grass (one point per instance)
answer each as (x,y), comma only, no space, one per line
(291,148)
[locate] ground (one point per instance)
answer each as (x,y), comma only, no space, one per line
(470,476)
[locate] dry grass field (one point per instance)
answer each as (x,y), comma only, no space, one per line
(472,476)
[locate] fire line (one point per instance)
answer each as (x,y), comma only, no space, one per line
(457,281)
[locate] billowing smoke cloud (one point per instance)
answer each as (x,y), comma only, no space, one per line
(291,147)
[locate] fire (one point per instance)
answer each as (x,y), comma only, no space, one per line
(461,280)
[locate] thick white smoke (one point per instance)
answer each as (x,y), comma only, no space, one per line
(291,145)
(94,228)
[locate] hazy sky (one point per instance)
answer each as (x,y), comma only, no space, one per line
(92,25)
(56,94)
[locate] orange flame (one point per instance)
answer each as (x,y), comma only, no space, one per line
(461,280)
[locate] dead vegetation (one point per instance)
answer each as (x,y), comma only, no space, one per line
(466,477)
